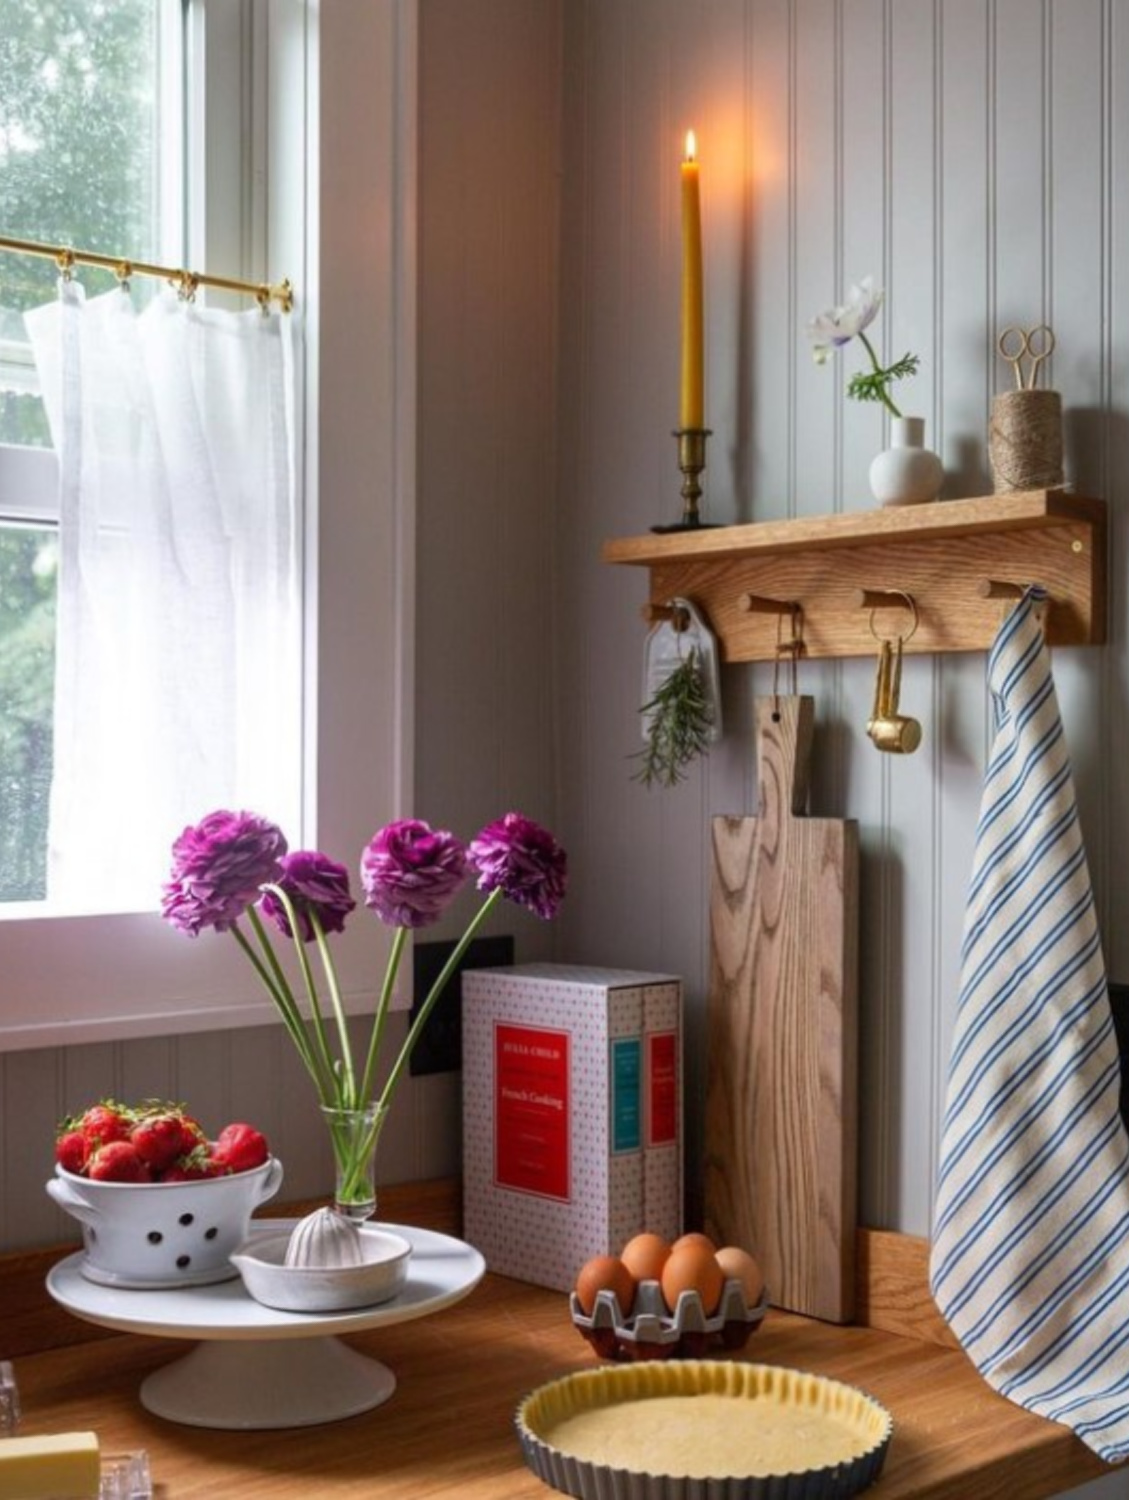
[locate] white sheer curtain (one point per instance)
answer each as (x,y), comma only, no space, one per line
(178,682)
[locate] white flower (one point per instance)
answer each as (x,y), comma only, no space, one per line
(830,330)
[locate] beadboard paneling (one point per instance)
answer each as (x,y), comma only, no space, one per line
(966,153)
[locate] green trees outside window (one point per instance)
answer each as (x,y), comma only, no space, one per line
(27,676)
(80,165)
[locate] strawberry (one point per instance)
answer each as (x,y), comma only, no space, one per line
(118,1161)
(240,1147)
(194,1132)
(153,1141)
(160,1138)
(194,1165)
(72,1151)
(105,1122)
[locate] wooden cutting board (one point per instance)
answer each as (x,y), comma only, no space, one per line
(781,1099)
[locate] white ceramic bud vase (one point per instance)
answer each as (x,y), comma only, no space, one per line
(906,473)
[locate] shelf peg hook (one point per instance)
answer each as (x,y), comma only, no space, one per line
(998,588)
(654,613)
(758,604)
(1011,593)
(883,599)
(876,599)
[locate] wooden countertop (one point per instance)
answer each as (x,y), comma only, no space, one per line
(447,1430)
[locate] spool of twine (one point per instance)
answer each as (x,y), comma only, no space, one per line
(1025,441)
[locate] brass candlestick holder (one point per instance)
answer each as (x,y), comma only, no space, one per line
(692,462)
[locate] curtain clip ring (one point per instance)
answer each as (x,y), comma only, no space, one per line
(187,283)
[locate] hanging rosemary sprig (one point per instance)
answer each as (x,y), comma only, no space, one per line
(679,726)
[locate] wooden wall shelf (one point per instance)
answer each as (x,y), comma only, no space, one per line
(941,554)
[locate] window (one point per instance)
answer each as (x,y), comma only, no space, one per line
(91,140)
(309,111)
(96,127)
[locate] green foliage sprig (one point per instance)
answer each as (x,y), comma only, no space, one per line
(679,727)
(874,384)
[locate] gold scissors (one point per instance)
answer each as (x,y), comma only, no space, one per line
(1033,344)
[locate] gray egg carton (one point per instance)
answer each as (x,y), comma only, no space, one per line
(651,1332)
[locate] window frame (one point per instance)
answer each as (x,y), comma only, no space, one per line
(333,207)
(31,474)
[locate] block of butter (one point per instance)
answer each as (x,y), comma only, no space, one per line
(62,1466)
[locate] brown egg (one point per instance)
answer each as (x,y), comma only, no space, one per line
(694,1238)
(739,1265)
(604,1273)
(645,1255)
(693,1268)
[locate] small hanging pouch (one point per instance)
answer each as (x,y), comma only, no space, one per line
(668,646)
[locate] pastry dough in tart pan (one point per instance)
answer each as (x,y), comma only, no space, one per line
(703,1430)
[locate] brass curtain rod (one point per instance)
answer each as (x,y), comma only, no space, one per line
(185,282)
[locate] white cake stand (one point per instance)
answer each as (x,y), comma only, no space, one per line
(255,1367)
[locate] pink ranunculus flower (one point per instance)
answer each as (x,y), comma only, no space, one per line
(219,867)
(314,883)
(523,861)
(411,872)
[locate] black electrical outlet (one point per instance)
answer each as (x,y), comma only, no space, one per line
(440,1047)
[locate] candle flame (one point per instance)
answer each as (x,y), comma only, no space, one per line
(691,146)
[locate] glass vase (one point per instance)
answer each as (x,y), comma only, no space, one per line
(355,1135)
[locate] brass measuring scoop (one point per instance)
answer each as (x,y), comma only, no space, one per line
(890,730)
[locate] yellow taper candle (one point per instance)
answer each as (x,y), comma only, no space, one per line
(692,405)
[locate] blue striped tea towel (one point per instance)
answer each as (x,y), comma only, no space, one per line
(1030,1253)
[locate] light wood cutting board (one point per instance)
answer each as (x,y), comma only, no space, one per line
(781,1101)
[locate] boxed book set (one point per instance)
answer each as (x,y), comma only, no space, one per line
(572,1114)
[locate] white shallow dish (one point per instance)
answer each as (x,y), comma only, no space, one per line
(304,1289)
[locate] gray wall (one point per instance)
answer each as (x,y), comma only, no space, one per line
(969,154)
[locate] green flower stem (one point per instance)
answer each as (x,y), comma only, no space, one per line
(883,393)
(316,1017)
(330,971)
(274,982)
(352,1153)
(382,1009)
(433,995)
